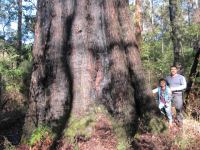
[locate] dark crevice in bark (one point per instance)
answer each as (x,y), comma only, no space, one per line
(97,51)
(66,51)
(48,78)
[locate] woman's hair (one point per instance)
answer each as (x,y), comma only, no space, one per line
(162,79)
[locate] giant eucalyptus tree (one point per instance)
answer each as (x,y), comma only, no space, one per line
(85,53)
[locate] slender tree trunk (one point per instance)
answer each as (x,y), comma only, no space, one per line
(152,12)
(85,53)
(189,11)
(175,34)
(197,3)
(162,23)
(162,45)
(19,28)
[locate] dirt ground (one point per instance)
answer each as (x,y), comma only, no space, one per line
(103,138)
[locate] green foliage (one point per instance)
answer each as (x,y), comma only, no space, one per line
(122,138)
(12,73)
(153,124)
(156,125)
(76,147)
(157,48)
(183,142)
(197,80)
(122,145)
(155,60)
(190,34)
(40,134)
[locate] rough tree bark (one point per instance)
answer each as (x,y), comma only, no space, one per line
(138,21)
(84,53)
(175,34)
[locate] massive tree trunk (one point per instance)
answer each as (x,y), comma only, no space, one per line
(85,53)
(175,34)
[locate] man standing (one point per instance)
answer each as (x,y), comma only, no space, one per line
(177,84)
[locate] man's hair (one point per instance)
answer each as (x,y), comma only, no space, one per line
(173,66)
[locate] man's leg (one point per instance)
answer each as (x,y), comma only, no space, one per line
(178,101)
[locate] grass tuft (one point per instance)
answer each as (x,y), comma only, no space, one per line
(39,134)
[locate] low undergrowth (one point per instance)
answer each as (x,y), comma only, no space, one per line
(40,134)
(176,138)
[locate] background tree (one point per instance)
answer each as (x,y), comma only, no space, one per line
(8,15)
(19,27)
(175,33)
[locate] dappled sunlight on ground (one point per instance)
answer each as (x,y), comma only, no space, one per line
(185,138)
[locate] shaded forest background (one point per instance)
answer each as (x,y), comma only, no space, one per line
(152,25)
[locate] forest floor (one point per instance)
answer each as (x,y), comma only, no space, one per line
(103,138)
(177,138)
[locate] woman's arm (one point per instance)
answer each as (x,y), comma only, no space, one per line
(155,90)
